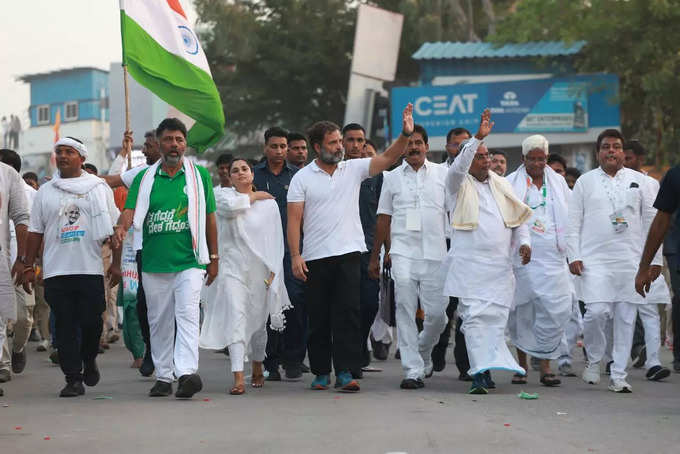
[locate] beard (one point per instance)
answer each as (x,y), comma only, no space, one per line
(328,157)
(172,160)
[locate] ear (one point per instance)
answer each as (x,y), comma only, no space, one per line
(317,148)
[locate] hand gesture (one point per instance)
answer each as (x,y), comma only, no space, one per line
(525,253)
(485,125)
(407,120)
(576,267)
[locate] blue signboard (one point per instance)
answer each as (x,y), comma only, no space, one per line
(570,104)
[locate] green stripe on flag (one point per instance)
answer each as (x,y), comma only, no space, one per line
(176,81)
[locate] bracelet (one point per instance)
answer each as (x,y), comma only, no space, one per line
(26,270)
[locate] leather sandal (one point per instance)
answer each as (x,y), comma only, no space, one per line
(550,380)
(237,390)
(518,379)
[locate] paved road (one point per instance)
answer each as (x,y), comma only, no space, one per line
(287,417)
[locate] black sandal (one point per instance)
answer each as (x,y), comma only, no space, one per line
(550,380)
(518,379)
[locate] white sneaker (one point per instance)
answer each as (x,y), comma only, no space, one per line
(619,386)
(591,374)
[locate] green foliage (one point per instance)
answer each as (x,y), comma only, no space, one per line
(639,40)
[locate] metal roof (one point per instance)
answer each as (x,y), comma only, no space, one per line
(58,72)
(460,50)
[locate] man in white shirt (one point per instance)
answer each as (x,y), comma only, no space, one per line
(609,212)
(488,222)
(73,214)
(324,198)
(25,301)
(412,209)
(543,295)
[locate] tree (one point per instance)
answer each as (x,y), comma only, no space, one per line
(635,39)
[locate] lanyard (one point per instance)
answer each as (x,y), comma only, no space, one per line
(612,187)
(415,190)
(544,193)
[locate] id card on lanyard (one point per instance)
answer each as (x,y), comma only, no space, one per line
(611,188)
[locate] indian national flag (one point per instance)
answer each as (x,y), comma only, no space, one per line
(162,53)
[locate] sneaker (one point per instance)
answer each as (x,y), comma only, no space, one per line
(293,372)
(160,389)
(72,389)
(478,385)
(188,385)
(657,373)
(412,383)
(42,346)
(639,357)
(54,357)
(464,377)
(147,365)
(620,386)
(91,373)
(19,361)
(565,370)
(5,376)
(591,373)
(438,358)
(345,383)
(321,382)
(274,375)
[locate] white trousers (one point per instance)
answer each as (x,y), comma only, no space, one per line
(173,299)
(418,280)
(572,331)
(595,321)
(3,334)
(484,325)
(258,346)
(651,322)
(537,326)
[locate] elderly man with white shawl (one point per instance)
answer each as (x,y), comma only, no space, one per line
(251,287)
(172,207)
(73,214)
(609,211)
(489,224)
(543,295)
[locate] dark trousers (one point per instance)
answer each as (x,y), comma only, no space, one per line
(368,302)
(289,347)
(460,349)
(332,296)
(674,271)
(141,305)
(77,302)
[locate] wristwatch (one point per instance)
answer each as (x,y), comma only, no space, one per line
(214,257)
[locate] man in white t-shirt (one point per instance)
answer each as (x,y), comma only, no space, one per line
(73,214)
(323,198)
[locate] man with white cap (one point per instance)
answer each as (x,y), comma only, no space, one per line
(609,212)
(73,214)
(543,295)
(489,224)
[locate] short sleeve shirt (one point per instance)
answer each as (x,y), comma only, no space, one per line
(166,244)
(331,222)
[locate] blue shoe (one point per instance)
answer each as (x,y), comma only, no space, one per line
(321,382)
(346,383)
(478,385)
(488,382)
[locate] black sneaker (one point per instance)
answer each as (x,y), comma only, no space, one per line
(147,367)
(438,358)
(18,361)
(464,377)
(412,383)
(274,375)
(657,373)
(160,389)
(72,389)
(188,385)
(293,372)
(91,373)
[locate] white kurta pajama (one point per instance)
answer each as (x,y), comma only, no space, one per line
(479,270)
(610,254)
(543,294)
(416,203)
(239,302)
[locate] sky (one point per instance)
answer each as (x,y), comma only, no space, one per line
(45,35)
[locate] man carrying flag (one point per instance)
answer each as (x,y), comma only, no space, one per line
(161,52)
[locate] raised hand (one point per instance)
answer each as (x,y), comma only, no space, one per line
(407,120)
(485,125)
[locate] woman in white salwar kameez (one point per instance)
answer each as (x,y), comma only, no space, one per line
(249,288)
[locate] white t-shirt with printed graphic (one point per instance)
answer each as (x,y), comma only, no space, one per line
(69,246)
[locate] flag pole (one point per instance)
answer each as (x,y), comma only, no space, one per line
(127,111)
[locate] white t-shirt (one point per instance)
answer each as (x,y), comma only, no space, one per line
(129,175)
(30,195)
(69,247)
(331,223)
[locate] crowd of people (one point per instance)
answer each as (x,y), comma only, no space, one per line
(328,261)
